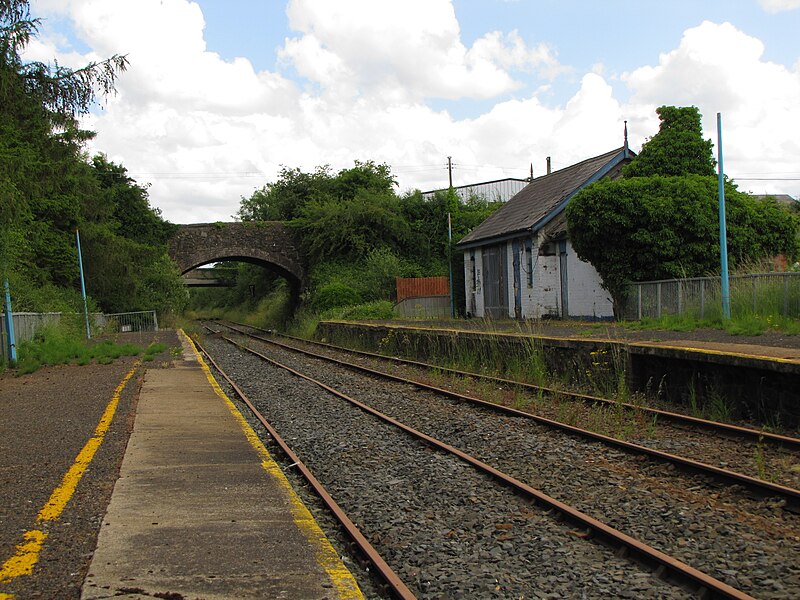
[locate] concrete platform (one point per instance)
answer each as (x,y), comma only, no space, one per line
(201,510)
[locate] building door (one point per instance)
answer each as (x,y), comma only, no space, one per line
(562,267)
(495,295)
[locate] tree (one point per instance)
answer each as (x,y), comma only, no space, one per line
(351,227)
(283,200)
(660,220)
(63,92)
(677,149)
(48,189)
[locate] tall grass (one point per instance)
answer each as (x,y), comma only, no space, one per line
(55,345)
(758,304)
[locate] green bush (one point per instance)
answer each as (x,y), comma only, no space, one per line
(334,295)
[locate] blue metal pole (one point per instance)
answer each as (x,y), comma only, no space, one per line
(723,237)
(450,264)
(83,287)
(12,344)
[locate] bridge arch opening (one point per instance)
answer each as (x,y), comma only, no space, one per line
(270,245)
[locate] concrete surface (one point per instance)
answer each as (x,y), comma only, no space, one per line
(199,513)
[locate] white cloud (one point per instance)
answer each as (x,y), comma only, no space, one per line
(775,6)
(371,46)
(184,115)
(718,68)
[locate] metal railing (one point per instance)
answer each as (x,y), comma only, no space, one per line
(128,322)
(701,297)
(27,324)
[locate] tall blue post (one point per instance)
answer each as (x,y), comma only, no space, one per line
(450,264)
(723,236)
(12,344)
(83,287)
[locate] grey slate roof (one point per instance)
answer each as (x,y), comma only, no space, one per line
(544,197)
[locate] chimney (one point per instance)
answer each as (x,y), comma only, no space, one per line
(548,165)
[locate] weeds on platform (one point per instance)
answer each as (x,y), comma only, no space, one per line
(53,345)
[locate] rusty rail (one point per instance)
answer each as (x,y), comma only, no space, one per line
(791,495)
(662,563)
(395,584)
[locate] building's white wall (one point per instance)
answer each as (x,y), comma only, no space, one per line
(587,298)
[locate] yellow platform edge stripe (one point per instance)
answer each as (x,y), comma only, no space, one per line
(27,552)
(326,556)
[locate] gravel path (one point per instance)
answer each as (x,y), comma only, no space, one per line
(45,419)
(750,544)
(447,530)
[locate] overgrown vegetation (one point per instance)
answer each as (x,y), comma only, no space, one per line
(56,345)
(358,235)
(49,189)
(660,220)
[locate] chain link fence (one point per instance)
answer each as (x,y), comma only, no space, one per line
(701,297)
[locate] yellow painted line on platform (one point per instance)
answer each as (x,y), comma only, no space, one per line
(717,352)
(27,553)
(342,579)
(25,557)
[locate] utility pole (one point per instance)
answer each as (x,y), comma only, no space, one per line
(450,169)
(9,319)
(450,238)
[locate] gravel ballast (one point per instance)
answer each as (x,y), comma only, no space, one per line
(446,530)
(748,543)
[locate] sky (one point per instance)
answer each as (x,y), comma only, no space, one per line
(221,94)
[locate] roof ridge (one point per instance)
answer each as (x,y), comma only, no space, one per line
(578,164)
(539,199)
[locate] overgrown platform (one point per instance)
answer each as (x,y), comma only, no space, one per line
(759,383)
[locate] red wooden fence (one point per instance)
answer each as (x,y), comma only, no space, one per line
(416,287)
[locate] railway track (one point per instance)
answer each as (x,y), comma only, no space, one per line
(717,427)
(691,539)
(686,445)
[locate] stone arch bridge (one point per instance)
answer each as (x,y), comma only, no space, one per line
(269,244)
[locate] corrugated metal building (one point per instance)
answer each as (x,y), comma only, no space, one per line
(499,190)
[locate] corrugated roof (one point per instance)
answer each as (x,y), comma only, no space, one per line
(539,199)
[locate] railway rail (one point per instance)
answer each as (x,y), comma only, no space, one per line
(395,585)
(732,568)
(763,487)
(665,568)
(737,431)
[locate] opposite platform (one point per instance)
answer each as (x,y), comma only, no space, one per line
(201,510)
